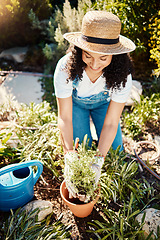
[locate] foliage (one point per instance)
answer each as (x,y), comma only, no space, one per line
(39,135)
(15,24)
(118,180)
(22,225)
(69,19)
(155,42)
(135,17)
(8,108)
(81,173)
(123,196)
(118,225)
(61,22)
(7,154)
(143,113)
(42,144)
(35,115)
(48,90)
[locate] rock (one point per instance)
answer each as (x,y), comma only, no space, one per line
(45,208)
(151,221)
(157,140)
(17,54)
(135,94)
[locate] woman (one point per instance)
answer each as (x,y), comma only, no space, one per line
(94,80)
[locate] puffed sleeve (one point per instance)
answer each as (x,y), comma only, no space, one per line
(121,95)
(62,87)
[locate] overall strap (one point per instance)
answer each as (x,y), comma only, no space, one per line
(75,82)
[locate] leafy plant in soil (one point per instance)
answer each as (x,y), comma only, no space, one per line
(123,196)
(42,144)
(21,225)
(118,180)
(39,135)
(118,225)
(35,115)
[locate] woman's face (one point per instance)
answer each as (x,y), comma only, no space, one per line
(96,62)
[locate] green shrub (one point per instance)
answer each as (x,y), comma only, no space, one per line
(147,112)
(155,43)
(118,225)
(22,225)
(123,196)
(39,135)
(53,29)
(15,26)
(118,180)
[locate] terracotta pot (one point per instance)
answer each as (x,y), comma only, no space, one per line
(79,210)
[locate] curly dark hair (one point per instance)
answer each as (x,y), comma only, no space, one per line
(115,73)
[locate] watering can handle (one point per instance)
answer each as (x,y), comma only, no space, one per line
(17,166)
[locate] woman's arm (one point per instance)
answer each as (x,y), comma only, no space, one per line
(110,126)
(65,122)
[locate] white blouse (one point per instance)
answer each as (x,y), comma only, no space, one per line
(86,88)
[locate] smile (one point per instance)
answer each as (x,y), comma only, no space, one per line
(95,69)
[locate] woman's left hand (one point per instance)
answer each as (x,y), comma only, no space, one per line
(97,166)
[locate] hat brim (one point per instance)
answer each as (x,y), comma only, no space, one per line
(125,45)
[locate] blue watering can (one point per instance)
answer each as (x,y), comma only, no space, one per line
(17,184)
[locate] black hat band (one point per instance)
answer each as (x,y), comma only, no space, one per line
(100,40)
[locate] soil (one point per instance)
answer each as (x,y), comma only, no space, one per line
(48,188)
(79,226)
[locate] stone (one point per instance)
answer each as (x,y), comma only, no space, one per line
(17,54)
(151,221)
(45,208)
(135,94)
(157,140)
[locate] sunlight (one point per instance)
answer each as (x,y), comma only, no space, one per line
(8,7)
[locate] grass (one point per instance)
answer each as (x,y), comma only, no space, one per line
(22,225)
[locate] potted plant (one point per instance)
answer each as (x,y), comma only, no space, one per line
(82,176)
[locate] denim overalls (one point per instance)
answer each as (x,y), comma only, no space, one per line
(95,106)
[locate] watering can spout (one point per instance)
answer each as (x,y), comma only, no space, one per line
(17,184)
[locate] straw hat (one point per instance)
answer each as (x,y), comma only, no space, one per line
(100,33)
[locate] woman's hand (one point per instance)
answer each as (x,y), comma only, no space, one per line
(97,166)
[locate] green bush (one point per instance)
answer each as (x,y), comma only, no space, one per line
(155,43)
(55,45)
(22,225)
(68,20)
(39,135)
(15,26)
(143,113)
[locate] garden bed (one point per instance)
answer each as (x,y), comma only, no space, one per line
(80,226)
(48,188)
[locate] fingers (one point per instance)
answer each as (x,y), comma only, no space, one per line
(71,190)
(82,197)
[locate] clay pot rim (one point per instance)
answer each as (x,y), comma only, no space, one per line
(74,204)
